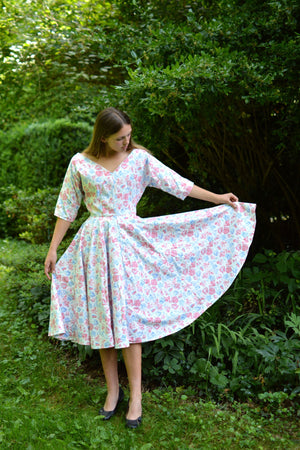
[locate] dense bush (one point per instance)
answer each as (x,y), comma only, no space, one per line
(26,283)
(218,101)
(36,156)
(228,361)
(29,214)
(239,348)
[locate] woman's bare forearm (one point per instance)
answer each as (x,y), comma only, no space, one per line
(60,230)
(203,194)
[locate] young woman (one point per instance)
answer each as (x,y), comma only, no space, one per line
(125,280)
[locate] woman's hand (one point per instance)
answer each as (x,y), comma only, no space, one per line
(50,262)
(228,199)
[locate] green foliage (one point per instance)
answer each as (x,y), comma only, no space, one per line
(36,156)
(29,214)
(269,288)
(53,58)
(7,224)
(212,88)
(225,361)
(25,281)
(218,100)
(33,161)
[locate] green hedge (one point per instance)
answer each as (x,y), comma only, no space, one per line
(36,155)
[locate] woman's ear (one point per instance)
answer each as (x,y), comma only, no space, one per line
(103,139)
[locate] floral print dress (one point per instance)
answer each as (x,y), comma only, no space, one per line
(126,279)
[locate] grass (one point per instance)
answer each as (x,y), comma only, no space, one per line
(49,400)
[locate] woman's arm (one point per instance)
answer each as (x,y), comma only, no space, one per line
(208,196)
(60,230)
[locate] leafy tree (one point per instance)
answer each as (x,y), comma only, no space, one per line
(54,57)
(212,87)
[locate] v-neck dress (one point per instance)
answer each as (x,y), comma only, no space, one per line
(126,279)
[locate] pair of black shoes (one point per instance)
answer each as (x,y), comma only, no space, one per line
(108,414)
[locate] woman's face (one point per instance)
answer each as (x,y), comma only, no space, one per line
(119,141)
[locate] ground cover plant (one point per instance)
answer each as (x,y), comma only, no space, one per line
(50,400)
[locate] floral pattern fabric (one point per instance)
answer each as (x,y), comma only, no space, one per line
(126,279)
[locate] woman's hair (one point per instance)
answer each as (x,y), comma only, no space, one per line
(108,122)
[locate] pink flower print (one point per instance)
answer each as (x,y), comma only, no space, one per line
(137,303)
(175,302)
(157,322)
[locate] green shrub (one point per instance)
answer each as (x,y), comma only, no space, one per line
(25,283)
(265,290)
(29,214)
(226,361)
(36,156)
(7,223)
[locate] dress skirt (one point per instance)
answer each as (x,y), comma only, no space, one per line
(127,280)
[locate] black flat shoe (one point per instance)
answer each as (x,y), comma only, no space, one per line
(108,414)
(134,423)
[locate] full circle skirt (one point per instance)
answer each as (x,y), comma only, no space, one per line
(127,280)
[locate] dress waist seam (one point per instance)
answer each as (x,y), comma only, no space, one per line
(114,215)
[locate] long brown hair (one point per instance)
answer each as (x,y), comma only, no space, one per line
(108,122)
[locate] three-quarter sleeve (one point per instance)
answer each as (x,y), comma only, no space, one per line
(166,179)
(71,194)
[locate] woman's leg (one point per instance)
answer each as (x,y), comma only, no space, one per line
(133,361)
(109,359)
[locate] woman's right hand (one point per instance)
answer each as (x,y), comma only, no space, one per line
(50,262)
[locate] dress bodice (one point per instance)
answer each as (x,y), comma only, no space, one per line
(108,193)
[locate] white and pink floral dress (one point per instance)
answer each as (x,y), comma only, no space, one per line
(125,279)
